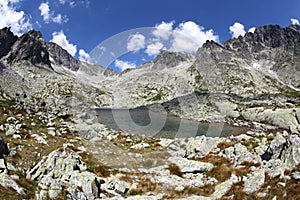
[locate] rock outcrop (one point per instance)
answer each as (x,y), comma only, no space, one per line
(7,39)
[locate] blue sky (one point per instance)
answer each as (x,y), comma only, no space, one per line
(79,26)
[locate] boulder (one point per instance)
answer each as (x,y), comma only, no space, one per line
(65,169)
(254,181)
(290,154)
(275,147)
(190,166)
(7,182)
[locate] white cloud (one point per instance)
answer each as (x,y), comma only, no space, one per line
(154,48)
(58,19)
(189,36)
(295,21)
(163,30)
(136,42)
(237,29)
(10,17)
(61,39)
(83,56)
(49,16)
(122,65)
(45,11)
(251,30)
(70,2)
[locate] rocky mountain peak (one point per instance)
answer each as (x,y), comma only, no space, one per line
(61,57)
(210,44)
(170,59)
(7,39)
(265,37)
(30,47)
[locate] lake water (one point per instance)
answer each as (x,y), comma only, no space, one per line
(145,122)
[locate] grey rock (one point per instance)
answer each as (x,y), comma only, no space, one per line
(291,152)
(295,175)
(62,169)
(201,146)
(3,164)
(275,148)
(7,182)
(140,146)
(190,166)
(281,184)
(223,188)
(275,167)
(254,181)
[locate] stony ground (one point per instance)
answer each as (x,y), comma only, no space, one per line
(47,161)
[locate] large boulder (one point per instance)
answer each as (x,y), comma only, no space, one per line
(64,168)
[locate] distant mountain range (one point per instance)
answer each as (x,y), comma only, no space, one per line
(254,78)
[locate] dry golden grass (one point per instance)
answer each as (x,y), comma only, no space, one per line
(246,169)
(123,142)
(95,166)
(224,145)
(175,170)
(222,166)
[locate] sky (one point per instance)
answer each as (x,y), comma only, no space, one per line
(138,29)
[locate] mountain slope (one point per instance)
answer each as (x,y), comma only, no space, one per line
(226,81)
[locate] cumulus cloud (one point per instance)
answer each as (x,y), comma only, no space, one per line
(49,16)
(83,56)
(237,29)
(295,21)
(136,42)
(251,30)
(61,39)
(154,48)
(122,65)
(163,30)
(189,36)
(10,17)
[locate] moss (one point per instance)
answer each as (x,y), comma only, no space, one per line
(157,97)
(102,92)
(198,78)
(7,103)
(203,90)
(94,166)
(288,92)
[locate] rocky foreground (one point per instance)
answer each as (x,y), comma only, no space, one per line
(41,158)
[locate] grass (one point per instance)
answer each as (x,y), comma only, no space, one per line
(175,170)
(222,166)
(94,166)
(225,145)
(159,96)
(125,142)
(198,78)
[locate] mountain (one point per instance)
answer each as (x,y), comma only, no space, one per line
(45,73)
(243,78)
